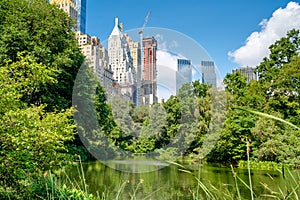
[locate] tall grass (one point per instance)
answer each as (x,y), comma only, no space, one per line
(78,189)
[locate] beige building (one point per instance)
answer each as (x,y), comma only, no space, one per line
(69,7)
(97,58)
(135,53)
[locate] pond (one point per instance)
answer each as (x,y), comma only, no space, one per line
(151,179)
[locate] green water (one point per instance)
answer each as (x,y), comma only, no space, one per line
(159,181)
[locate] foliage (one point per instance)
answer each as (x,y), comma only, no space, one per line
(42,31)
(39,60)
(94,117)
(32,140)
(276,93)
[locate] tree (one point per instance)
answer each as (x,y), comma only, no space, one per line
(278,74)
(43,31)
(231,147)
(275,141)
(281,52)
(32,140)
(200,89)
(39,60)
(235,84)
(95,123)
(283,92)
(276,91)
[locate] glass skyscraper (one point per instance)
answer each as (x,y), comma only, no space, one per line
(184,73)
(81,20)
(209,75)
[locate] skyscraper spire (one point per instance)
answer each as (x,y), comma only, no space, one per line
(116,30)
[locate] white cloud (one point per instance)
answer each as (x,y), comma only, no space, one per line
(165,44)
(166,73)
(257,44)
(164,58)
(160,41)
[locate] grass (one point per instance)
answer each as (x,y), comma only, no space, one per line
(291,190)
(78,189)
(54,188)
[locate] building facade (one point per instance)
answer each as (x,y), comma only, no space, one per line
(208,71)
(81,19)
(184,73)
(97,58)
(121,62)
(247,72)
(149,72)
(69,7)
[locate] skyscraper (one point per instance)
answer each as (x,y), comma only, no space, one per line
(120,61)
(209,75)
(81,20)
(184,73)
(135,53)
(149,71)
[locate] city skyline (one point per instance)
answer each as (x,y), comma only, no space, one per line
(225,30)
(171,46)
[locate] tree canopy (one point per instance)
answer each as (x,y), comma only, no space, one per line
(39,60)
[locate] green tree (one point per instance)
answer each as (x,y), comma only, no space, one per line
(237,127)
(276,91)
(236,84)
(275,141)
(278,75)
(32,140)
(43,31)
(281,52)
(200,89)
(39,60)
(94,118)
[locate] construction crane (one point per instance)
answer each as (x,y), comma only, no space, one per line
(140,67)
(145,23)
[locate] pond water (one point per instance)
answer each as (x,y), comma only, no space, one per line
(162,181)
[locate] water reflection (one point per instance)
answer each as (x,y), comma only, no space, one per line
(136,166)
(167,182)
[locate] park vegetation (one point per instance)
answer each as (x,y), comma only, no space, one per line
(40,129)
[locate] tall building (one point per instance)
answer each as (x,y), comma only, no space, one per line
(149,72)
(121,62)
(208,71)
(184,73)
(69,7)
(97,58)
(247,72)
(81,20)
(135,53)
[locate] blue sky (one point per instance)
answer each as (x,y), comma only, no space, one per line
(219,26)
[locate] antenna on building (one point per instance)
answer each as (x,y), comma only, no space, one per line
(140,67)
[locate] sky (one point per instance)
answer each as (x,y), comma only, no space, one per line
(234,33)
